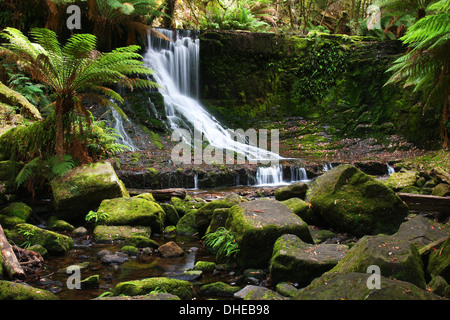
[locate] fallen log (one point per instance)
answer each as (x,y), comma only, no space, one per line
(10,262)
(421,202)
(161,194)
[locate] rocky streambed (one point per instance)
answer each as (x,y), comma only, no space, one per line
(292,242)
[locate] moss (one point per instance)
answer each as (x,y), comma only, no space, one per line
(258,224)
(28,234)
(17,291)
(83,189)
(205,266)
(218,289)
(130,250)
(140,241)
(353,202)
(204,215)
(111,233)
(133,212)
(17,209)
(396,258)
(439,261)
(187,225)
(183,289)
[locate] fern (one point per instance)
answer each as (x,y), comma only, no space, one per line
(223,243)
(426,65)
(27,171)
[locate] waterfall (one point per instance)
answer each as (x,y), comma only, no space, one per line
(196,181)
(390,169)
(118,125)
(176,67)
(298,174)
(269,176)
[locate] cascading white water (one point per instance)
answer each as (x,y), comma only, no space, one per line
(176,66)
(298,174)
(390,169)
(269,176)
(125,138)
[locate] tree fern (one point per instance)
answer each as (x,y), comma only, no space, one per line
(75,72)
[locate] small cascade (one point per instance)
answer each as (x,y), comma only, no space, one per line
(269,176)
(124,137)
(196,181)
(327,167)
(390,169)
(298,174)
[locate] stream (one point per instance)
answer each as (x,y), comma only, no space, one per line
(145,265)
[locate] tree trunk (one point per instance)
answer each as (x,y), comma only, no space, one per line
(10,261)
(59,143)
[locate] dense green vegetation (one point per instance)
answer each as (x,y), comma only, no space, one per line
(327,66)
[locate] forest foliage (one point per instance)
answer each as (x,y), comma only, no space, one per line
(60,69)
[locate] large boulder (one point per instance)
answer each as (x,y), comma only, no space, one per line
(354,202)
(83,189)
(258,224)
(353,286)
(296,261)
(397,259)
(133,211)
(421,231)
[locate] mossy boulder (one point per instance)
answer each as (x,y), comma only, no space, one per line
(218,219)
(262,293)
(205,266)
(421,231)
(354,202)
(172,216)
(303,210)
(110,233)
(439,261)
(83,189)
(55,243)
(218,289)
(133,212)
(187,225)
(258,224)
(17,209)
(441,190)
(294,190)
(184,205)
(402,179)
(181,288)
(396,258)
(18,291)
(296,261)
(203,216)
(353,286)
(141,241)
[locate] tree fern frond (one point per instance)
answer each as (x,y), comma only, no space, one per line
(27,171)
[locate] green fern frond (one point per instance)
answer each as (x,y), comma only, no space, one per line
(27,171)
